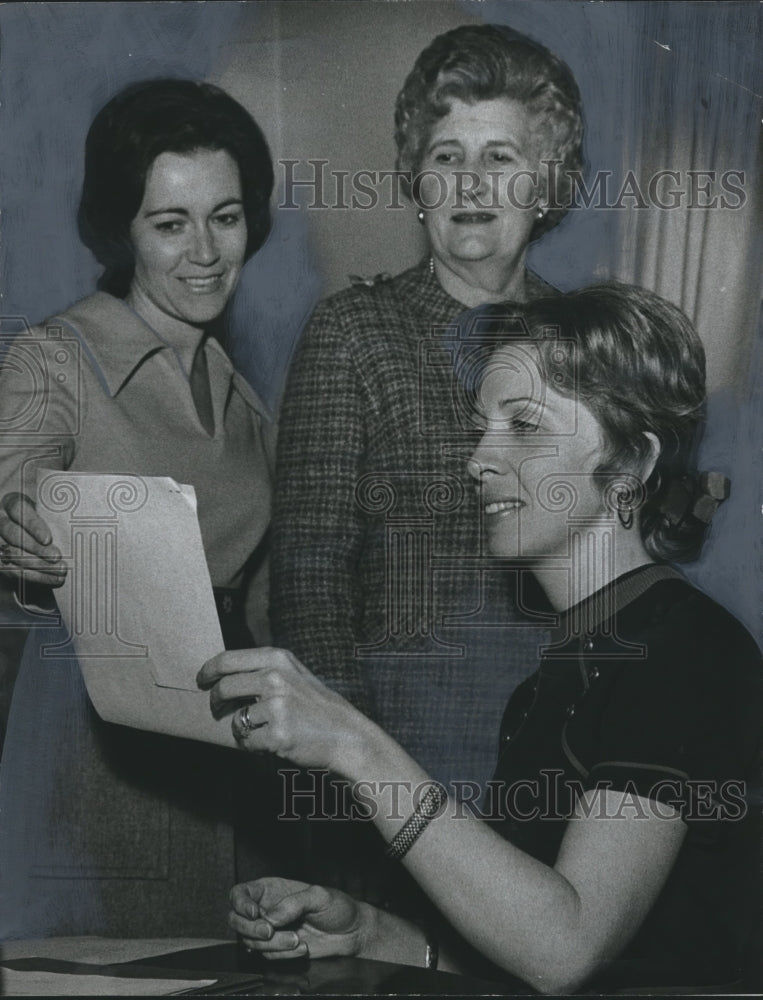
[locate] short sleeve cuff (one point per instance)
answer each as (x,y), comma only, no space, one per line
(660,784)
(701,803)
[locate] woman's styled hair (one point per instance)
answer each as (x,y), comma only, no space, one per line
(143,121)
(638,364)
(481,63)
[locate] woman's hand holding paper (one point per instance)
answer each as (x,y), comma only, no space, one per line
(26,544)
(282,708)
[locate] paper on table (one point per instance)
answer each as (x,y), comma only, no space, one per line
(39,983)
(137,600)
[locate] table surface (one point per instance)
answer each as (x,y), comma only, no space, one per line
(101,950)
(238,972)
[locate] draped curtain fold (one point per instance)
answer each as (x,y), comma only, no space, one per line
(695,71)
(695,110)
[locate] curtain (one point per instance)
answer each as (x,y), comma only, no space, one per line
(695,112)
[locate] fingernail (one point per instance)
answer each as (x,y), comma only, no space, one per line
(264,929)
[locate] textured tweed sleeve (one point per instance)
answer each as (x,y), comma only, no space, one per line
(317,529)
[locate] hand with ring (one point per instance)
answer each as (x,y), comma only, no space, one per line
(286,710)
(26,543)
(242,723)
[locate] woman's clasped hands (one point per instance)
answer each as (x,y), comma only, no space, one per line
(281,918)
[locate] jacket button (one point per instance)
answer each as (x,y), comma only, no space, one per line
(506,738)
(593,673)
(588,645)
(570,711)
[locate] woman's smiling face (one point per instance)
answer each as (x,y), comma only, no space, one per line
(188,238)
(536,461)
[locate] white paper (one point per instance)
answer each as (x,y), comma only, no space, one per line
(137,601)
(40,983)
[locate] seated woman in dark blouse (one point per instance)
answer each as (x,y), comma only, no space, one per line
(619,847)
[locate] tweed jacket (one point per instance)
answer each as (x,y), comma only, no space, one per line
(378,581)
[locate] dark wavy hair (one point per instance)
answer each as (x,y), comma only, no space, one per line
(143,121)
(639,366)
(482,63)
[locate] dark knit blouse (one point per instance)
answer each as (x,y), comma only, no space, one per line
(659,693)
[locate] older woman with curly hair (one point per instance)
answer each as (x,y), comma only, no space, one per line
(376,582)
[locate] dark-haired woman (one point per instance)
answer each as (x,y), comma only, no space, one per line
(623,841)
(176,194)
